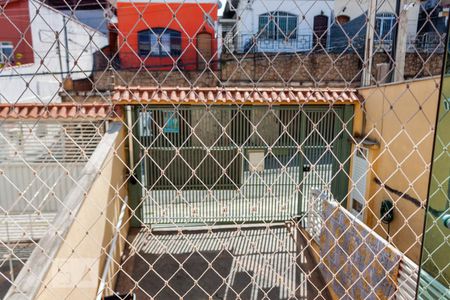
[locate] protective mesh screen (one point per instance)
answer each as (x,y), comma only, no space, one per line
(203,149)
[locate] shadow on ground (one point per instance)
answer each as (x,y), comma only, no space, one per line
(265,263)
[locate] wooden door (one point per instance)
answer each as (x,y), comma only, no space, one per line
(204,49)
(320,27)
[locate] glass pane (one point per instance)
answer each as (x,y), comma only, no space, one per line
(292,25)
(144,43)
(435,268)
(271,29)
(386,31)
(165,44)
(155,46)
(175,43)
(282,27)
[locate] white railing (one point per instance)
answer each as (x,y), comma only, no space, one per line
(407,279)
(256,43)
(28,188)
(39,163)
(430,42)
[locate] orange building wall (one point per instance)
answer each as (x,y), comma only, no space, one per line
(188,18)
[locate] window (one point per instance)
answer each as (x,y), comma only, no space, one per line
(6,52)
(384,26)
(159,42)
(278,25)
(362,153)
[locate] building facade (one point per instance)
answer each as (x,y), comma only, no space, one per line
(425,25)
(44,47)
(15,49)
(278,26)
(151,37)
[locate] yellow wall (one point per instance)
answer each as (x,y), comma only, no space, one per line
(77,268)
(400,117)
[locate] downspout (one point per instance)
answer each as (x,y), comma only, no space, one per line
(130,139)
(112,248)
(66,44)
(58,49)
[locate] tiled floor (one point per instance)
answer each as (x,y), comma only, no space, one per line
(263,263)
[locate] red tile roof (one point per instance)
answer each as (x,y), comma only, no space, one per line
(58,111)
(229,95)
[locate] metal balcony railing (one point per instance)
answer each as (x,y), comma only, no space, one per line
(258,43)
(422,43)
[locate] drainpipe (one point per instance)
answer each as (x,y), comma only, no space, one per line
(130,138)
(58,50)
(112,248)
(66,44)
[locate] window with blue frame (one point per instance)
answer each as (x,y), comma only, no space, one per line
(6,52)
(278,25)
(159,42)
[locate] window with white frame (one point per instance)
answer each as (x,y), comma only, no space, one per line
(6,52)
(159,42)
(384,24)
(278,25)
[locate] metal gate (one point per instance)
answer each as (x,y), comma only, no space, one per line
(236,164)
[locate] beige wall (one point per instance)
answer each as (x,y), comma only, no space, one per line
(78,266)
(400,117)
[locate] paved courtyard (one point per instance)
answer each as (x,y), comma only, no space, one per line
(258,263)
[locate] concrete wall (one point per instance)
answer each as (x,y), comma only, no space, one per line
(81,258)
(40,81)
(314,69)
(401,118)
(323,69)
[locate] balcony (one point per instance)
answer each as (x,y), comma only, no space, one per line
(213,200)
(251,43)
(430,42)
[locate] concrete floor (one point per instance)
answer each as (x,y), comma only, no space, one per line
(253,201)
(264,263)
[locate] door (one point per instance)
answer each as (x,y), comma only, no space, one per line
(320,27)
(204,51)
(235,164)
(325,146)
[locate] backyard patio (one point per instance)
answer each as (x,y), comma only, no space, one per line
(272,262)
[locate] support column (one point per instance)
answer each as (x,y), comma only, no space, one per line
(368,48)
(401,41)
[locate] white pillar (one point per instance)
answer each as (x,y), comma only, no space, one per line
(368,49)
(402,40)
